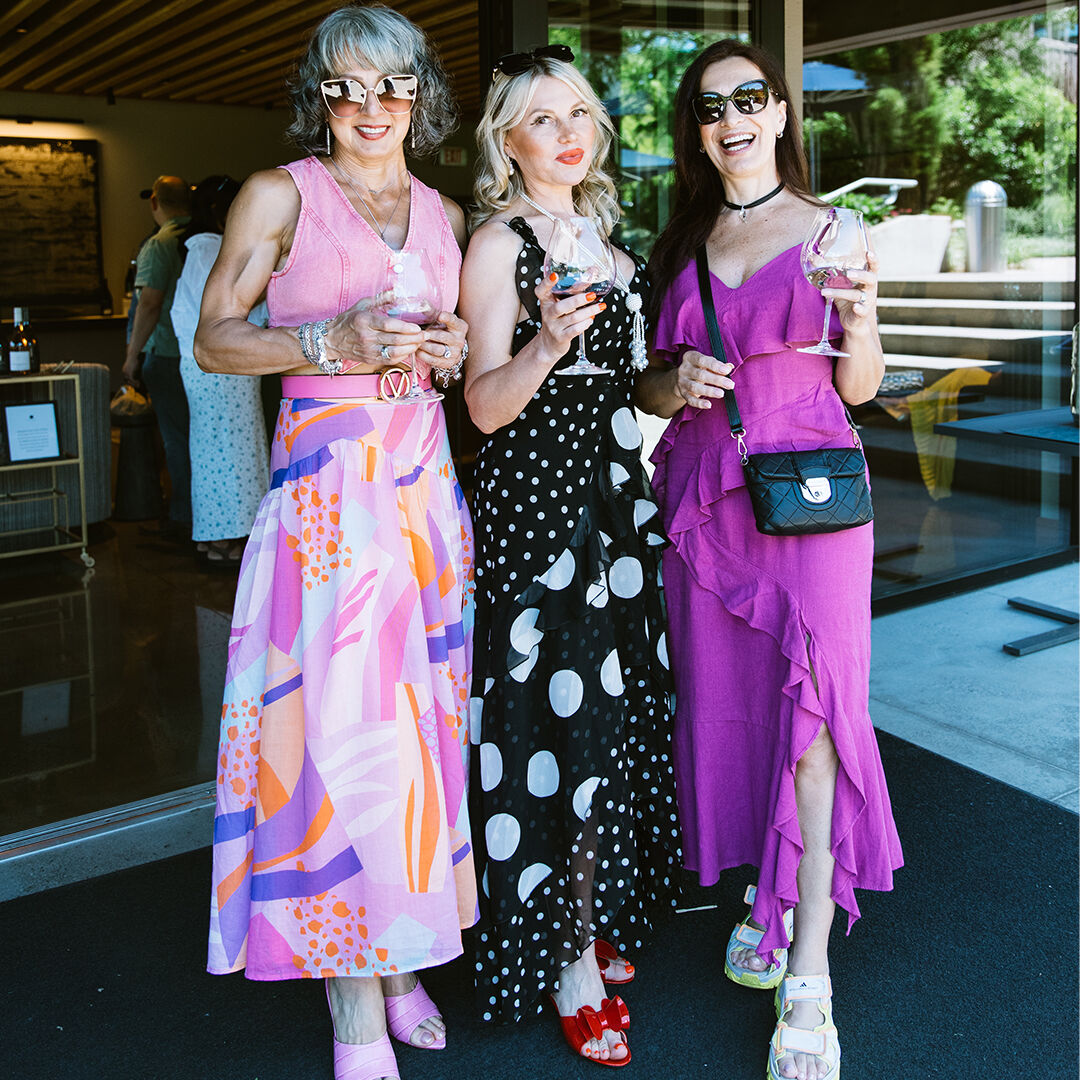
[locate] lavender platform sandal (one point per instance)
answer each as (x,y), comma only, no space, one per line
(406,1011)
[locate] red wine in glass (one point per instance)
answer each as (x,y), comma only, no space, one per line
(582,261)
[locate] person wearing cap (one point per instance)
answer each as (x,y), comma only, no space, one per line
(156,273)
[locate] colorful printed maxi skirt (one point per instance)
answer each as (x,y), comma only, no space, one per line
(341,838)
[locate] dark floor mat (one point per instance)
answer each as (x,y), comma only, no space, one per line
(967,969)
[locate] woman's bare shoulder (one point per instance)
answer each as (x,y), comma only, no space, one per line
(270,188)
(494,241)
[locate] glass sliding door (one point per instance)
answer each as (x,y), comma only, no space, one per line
(960,147)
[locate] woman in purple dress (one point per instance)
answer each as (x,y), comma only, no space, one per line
(776,761)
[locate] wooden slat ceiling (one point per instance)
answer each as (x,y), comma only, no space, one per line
(230,52)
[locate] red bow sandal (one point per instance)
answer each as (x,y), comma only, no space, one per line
(589,1023)
(605,955)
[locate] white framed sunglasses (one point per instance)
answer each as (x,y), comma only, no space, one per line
(345,97)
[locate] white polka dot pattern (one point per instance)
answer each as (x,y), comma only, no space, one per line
(573,800)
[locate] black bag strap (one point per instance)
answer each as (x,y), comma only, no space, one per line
(717,345)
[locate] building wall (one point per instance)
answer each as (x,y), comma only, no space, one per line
(140,140)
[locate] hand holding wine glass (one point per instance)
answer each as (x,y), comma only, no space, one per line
(411,294)
(580,260)
(835,247)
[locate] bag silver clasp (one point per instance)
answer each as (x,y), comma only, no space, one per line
(816,490)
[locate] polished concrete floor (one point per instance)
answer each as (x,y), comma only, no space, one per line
(940,679)
(111,680)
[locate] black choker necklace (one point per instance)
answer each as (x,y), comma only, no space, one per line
(757,202)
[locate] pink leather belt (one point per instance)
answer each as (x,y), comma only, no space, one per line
(386,385)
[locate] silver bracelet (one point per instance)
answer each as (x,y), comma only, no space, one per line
(312,337)
(446,376)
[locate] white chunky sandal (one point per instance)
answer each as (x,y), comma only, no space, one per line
(821,1041)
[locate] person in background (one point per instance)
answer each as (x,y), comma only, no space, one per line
(342,848)
(573,793)
(230,461)
(156,273)
(775,755)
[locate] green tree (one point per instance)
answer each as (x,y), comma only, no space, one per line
(1008,122)
(953,108)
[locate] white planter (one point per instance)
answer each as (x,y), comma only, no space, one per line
(911,245)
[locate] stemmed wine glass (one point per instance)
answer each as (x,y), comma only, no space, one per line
(581,259)
(411,293)
(835,244)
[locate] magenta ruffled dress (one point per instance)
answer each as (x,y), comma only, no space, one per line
(752,616)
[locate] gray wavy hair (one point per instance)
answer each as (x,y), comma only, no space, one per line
(379,37)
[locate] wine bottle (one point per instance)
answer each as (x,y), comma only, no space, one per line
(22,347)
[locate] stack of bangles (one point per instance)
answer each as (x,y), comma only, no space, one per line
(312,337)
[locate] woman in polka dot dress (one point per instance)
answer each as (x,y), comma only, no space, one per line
(572,794)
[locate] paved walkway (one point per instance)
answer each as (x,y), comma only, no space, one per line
(940,679)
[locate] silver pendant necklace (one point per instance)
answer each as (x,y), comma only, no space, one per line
(639,357)
(382,230)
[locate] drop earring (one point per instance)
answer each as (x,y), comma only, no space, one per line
(510,166)
(780,133)
(327,140)
(412,137)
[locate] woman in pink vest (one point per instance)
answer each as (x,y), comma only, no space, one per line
(341,838)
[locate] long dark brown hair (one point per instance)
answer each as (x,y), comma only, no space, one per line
(699,188)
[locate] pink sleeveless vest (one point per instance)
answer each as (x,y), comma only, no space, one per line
(337,258)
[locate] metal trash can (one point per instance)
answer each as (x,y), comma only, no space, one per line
(984,220)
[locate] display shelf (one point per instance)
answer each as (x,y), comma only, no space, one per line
(47,463)
(63,533)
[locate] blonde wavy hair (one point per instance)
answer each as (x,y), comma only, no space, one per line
(508,101)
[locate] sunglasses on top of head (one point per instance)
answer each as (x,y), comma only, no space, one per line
(345,97)
(749,97)
(515,63)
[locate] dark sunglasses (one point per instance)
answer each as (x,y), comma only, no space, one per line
(516,63)
(749,98)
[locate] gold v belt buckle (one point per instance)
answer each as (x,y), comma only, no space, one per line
(393,383)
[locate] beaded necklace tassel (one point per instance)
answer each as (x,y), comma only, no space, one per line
(639,356)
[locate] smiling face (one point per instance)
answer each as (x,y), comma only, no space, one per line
(553,142)
(742,146)
(371,134)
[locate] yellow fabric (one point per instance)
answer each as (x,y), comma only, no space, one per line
(937,404)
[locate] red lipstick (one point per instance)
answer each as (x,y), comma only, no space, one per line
(571,157)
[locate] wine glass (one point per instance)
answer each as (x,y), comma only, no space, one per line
(581,259)
(411,293)
(835,244)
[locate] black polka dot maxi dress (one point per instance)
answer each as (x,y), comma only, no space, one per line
(571,786)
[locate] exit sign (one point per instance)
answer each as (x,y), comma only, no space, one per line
(452,155)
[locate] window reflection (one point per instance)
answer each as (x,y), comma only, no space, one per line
(977,298)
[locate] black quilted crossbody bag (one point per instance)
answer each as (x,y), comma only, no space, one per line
(794,491)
